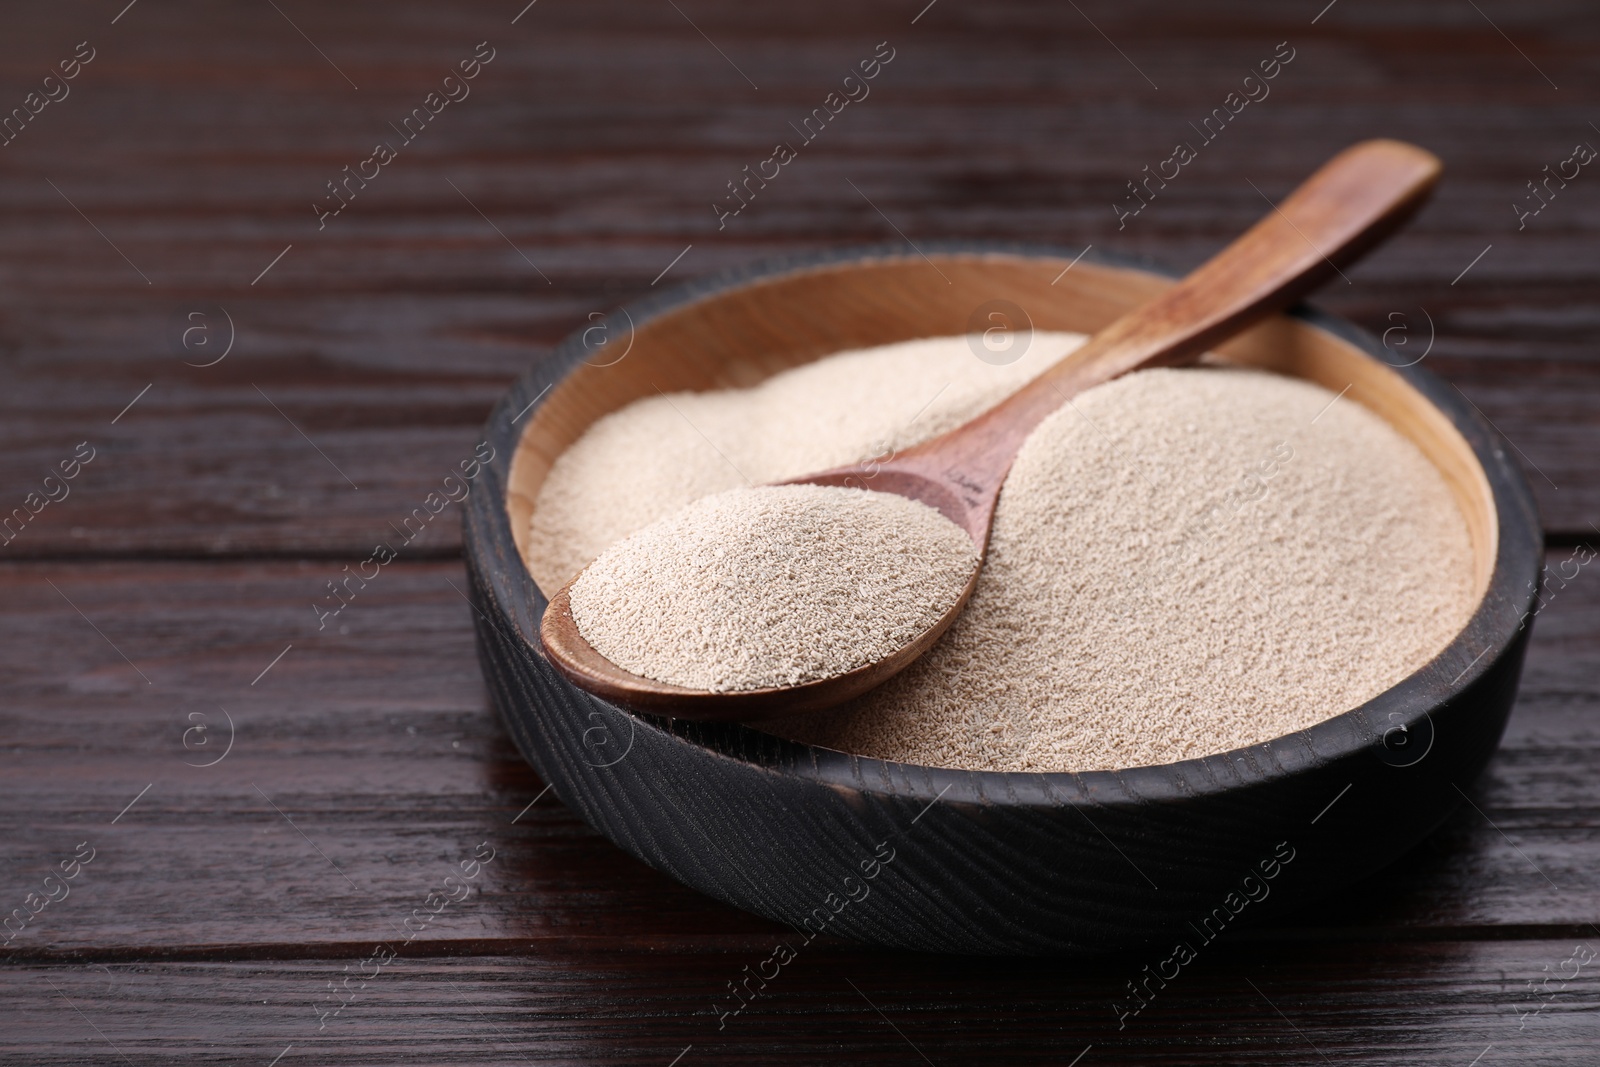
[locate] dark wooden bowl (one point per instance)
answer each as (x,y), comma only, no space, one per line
(987,862)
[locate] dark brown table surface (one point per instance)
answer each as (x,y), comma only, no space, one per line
(171,592)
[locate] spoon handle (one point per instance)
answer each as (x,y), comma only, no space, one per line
(1349,204)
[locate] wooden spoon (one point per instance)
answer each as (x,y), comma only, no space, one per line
(1355,200)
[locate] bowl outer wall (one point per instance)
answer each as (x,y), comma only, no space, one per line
(996,862)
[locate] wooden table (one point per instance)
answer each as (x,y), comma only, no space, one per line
(264,802)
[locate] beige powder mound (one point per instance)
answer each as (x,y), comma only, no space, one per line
(775,585)
(1187,562)
(654,456)
(1211,562)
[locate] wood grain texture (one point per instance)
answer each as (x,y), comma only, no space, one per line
(202,902)
(596,142)
(1286,1002)
(355,737)
(390,332)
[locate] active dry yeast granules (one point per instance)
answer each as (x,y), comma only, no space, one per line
(772,586)
(1183,561)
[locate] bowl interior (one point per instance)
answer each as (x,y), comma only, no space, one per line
(734,337)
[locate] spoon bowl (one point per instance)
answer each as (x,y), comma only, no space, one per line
(1347,206)
(590,670)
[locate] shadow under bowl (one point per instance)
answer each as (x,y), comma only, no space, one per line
(988,862)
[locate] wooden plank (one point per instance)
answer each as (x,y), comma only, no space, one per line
(377,744)
(386,336)
(1285,1003)
(321,449)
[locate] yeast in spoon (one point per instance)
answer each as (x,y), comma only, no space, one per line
(773,586)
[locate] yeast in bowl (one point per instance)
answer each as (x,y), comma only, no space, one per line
(1003,862)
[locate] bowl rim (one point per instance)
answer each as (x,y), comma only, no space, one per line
(1504,609)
